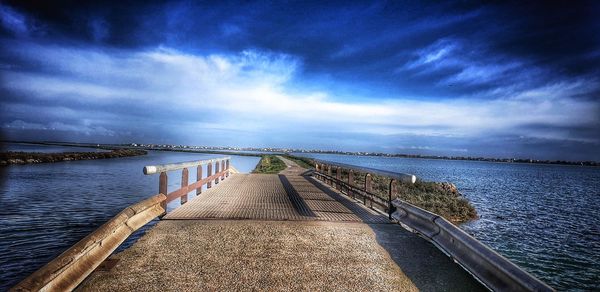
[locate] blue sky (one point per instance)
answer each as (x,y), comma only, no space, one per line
(461,79)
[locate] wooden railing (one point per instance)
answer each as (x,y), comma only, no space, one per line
(346,185)
(221,171)
(70,268)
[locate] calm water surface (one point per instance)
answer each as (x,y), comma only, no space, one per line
(46,208)
(545,218)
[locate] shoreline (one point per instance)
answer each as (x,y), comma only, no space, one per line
(19,158)
(277,151)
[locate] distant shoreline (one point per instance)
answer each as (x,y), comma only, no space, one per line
(266,151)
(16,158)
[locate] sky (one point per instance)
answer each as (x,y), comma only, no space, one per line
(507,79)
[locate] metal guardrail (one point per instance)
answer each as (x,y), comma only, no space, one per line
(492,269)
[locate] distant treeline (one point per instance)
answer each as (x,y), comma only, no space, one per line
(506,160)
(7,158)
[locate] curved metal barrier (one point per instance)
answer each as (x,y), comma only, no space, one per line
(489,267)
(69,269)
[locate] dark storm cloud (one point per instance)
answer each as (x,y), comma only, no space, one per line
(364,41)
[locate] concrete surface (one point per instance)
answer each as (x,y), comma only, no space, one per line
(199,255)
(298,234)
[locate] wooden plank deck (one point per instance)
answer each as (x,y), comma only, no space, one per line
(274,197)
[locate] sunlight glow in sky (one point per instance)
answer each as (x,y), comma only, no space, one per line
(441,79)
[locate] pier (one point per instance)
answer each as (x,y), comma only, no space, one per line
(299,229)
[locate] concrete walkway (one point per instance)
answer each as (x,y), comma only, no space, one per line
(279,232)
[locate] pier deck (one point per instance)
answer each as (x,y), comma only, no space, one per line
(278,232)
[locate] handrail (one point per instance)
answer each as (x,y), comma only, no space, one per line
(153,169)
(492,269)
(70,268)
(403,177)
(324,169)
(368,198)
(222,170)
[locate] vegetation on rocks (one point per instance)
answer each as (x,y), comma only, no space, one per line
(7,158)
(440,198)
(269,164)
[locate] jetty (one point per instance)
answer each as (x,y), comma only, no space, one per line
(300,229)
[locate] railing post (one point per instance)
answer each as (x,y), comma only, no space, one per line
(216,172)
(316,167)
(162,188)
(223,169)
(338,176)
(368,187)
(209,174)
(199,178)
(329,174)
(350,183)
(393,194)
(227,167)
(184,183)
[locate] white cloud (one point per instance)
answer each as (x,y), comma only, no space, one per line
(438,54)
(471,68)
(250,91)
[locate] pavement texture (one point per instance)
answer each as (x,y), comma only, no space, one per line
(278,232)
(199,255)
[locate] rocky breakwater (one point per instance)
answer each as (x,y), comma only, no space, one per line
(8,158)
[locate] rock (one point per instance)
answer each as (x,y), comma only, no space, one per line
(449,188)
